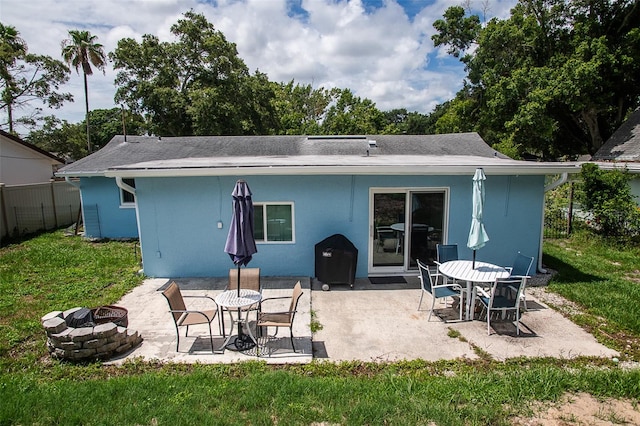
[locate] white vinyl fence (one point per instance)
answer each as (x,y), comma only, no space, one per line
(26,209)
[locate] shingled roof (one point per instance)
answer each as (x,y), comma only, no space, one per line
(209,155)
(624,144)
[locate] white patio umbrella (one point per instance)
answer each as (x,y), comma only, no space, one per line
(478,236)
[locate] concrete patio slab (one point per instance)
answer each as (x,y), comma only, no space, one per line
(369,323)
(149,315)
(543,333)
(378,323)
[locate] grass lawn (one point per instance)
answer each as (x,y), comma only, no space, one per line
(53,271)
(604,280)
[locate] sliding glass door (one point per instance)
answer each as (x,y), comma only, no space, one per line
(406,225)
(388,220)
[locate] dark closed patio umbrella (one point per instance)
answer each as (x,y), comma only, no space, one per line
(241,244)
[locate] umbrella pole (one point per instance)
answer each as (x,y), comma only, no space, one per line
(239,311)
(474,260)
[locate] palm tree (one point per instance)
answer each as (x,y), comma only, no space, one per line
(81,50)
(12,47)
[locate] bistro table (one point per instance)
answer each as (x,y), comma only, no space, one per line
(463,270)
(230,300)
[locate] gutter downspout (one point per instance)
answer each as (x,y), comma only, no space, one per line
(553,185)
(81,212)
(124,186)
(70,182)
(564,177)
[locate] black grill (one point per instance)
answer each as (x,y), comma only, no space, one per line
(336,260)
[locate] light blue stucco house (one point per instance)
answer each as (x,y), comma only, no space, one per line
(174,193)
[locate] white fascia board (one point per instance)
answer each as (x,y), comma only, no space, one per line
(79,174)
(343,165)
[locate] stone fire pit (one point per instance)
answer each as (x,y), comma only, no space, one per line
(99,341)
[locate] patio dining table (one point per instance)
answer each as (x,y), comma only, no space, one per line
(463,270)
(234,300)
(399,229)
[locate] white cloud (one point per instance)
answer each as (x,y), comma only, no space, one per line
(379,53)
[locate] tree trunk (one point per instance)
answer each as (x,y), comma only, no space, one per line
(86,104)
(10,117)
(590,118)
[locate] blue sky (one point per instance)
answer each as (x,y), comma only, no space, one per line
(380,49)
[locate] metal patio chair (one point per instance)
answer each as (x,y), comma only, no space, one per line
(445,253)
(249,280)
(504,296)
(384,234)
(281,318)
(183,317)
(436,291)
(521,268)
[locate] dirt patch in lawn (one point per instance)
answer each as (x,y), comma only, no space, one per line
(583,409)
(578,409)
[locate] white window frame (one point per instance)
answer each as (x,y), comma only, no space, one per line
(407,190)
(263,205)
(127,204)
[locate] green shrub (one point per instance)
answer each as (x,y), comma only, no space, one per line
(607,195)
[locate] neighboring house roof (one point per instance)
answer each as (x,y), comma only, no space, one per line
(31,147)
(624,143)
(233,155)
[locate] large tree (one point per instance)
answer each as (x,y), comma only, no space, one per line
(196,85)
(351,115)
(301,108)
(81,51)
(64,139)
(401,122)
(556,78)
(12,46)
(26,77)
(68,139)
(107,123)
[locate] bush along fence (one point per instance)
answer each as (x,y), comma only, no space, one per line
(27,209)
